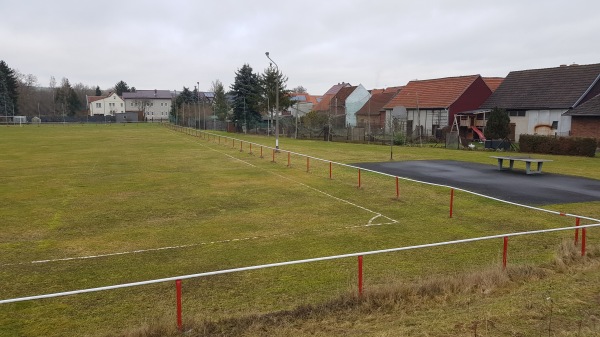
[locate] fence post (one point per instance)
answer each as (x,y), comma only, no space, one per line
(250,148)
(232,142)
(583,241)
(219,140)
(261,152)
(307,164)
(576,231)
(358,178)
(289,159)
(360,275)
(273,155)
(241,146)
(451,200)
(329,170)
(178,290)
(504,253)
(397,189)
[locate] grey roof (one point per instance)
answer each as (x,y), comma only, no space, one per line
(148,94)
(589,108)
(550,88)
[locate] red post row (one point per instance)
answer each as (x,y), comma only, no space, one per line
(397,189)
(358,178)
(504,253)
(360,275)
(329,170)
(583,241)
(576,231)
(179,319)
(451,200)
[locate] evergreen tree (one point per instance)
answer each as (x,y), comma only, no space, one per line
(9,91)
(268,81)
(67,99)
(498,124)
(121,87)
(246,90)
(98,91)
(220,102)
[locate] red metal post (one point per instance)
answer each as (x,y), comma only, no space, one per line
(358,178)
(219,140)
(583,241)
(360,275)
(329,170)
(233,143)
(178,290)
(241,146)
(576,231)
(289,159)
(307,164)
(261,152)
(250,148)
(451,200)
(397,189)
(504,253)
(273,155)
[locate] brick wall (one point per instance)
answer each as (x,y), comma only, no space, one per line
(585,127)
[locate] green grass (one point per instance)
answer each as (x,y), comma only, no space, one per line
(80,190)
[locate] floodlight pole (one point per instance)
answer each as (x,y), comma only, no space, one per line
(276,103)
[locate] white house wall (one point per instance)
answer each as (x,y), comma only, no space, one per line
(540,122)
(354,102)
(156,108)
(107,106)
(427,118)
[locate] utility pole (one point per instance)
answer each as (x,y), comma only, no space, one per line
(276,104)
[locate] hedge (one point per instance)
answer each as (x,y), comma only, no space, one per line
(572,146)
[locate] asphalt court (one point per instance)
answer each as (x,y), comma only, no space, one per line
(515,185)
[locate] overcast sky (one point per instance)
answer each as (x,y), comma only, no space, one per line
(171,44)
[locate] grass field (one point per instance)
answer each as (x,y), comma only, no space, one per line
(70,192)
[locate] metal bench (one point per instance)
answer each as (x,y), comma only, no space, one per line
(527,161)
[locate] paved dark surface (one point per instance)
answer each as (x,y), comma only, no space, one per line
(515,186)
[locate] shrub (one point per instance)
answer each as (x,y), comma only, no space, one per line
(572,146)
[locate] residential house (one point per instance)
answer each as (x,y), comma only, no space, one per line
(537,100)
(105,105)
(423,107)
(585,119)
(356,100)
(151,105)
(302,103)
(372,114)
(324,104)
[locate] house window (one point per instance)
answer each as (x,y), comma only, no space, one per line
(131,103)
(98,105)
(516,113)
(554,125)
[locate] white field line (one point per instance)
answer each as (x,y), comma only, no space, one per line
(287,263)
(416,181)
(376,215)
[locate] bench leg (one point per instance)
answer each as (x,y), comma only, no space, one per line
(500,164)
(528,167)
(539,169)
(512,162)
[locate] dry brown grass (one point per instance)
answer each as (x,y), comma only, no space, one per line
(384,299)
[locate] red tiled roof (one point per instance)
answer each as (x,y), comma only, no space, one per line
(323,105)
(493,82)
(376,103)
(91,99)
(434,93)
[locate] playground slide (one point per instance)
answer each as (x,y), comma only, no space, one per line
(478,132)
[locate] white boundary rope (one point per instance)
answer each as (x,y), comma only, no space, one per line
(287,263)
